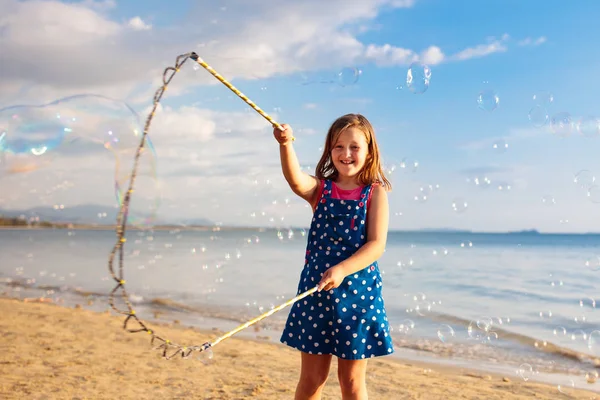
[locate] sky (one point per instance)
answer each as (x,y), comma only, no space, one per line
(452,164)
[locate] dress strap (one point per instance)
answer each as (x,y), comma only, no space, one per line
(365,195)
(326,192)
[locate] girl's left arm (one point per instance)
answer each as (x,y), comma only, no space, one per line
(377,229)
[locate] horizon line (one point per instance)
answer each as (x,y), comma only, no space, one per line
(214,227)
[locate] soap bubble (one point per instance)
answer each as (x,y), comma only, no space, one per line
(543,98)
(594,194)
(504,187)
(418,77)
(525,371)
(445,333)
(389,166)
(591,376)
(406,327)
(481,330)
(91,118)
(538,116)
(589,126)
(585,179)
(409,165)
(548,200)
(35,129)
(206,356)
(54,154)
(459,205)
(567,386)
(424,193)
(348,76)
(500,146)
(488,100)
(30,134)
(562,124)
(593,264)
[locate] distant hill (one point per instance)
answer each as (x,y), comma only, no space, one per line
(88,214)
(96,215)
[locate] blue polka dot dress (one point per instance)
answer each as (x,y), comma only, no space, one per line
(349,321)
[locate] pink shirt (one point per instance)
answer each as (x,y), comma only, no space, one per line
(343,194)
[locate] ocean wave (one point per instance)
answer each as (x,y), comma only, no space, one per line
(541,351)
(533,343)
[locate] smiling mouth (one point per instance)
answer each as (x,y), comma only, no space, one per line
(347,162)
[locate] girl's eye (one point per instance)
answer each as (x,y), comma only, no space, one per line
(355,148)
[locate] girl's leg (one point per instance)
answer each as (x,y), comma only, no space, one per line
(352,375)
(313,375)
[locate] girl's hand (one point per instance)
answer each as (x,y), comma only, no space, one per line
(285,136)
(331,279)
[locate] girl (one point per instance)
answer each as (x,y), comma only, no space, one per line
(346,317)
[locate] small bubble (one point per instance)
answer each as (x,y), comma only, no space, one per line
(548,200)
(584,179)
(459,205)
(562,124)
(500,146)
(525,371)
(538,116)
(445,333)
(348,76)
(543,98)
(488,100)
(589,126)
(418,77)
(206,356)
(593,194)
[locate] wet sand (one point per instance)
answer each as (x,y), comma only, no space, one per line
(53,352)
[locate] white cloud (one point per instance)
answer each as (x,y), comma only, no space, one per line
(514,135)
(532,41)
(78,48)
(198,151)
(63,49)
(388,55)
(432,56)
(580,127)
(54,23)
(101,5)
(138,24)
(192,124)
(482,50)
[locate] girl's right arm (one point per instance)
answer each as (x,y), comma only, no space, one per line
(301,183)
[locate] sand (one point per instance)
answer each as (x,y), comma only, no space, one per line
(53,352)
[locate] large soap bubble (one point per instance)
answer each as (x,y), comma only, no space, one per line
(53,154)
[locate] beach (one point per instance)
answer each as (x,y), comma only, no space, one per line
(54,352)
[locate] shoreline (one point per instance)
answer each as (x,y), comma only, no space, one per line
(570,364)
(213,228)
(83,353)
(131,228)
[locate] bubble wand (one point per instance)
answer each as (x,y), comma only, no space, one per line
(241,95)
(118,249)
(208,345)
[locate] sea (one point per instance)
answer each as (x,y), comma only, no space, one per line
(526,305)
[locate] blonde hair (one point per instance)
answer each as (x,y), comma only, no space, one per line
(372,172)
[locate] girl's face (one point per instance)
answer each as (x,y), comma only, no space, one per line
(349,152)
